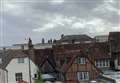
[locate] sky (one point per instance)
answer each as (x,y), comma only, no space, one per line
(37,19)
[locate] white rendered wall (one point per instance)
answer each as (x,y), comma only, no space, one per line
(15,67)
(3,76)
(116,65)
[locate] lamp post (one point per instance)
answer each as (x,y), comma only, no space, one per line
(29,70)
(30,46)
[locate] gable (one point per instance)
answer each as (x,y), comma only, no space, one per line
(47,67)
(15,66)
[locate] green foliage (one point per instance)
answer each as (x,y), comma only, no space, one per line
(39,80)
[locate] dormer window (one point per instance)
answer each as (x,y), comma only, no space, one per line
(20,60)
(81,60)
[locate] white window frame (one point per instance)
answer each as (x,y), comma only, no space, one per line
(108,63)
(83,76)
(102,63)
(18,76)
(21,60)
(81,60)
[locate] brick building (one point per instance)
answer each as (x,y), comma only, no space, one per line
(75,63)
(75,60)
(114,43)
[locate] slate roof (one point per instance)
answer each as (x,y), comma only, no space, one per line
(77,38)
(100,51)
(43,55)
(8,55)
(72,49)
(97,50)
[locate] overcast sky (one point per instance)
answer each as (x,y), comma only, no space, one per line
(20,19)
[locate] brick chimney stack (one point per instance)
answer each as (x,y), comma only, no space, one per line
(30,45)
(43,40)
(62,36)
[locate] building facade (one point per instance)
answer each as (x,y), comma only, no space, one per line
(114,42)
(76,65)
(73,59)
(3,75)
(18,69)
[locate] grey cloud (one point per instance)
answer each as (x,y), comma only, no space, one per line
(37,13)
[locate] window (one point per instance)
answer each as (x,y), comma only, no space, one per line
(81,60)
(97,63)
(102,63)
(107,63)
(20,60)
(35,76)
(18,76)
(82,76)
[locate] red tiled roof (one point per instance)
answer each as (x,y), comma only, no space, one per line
(97,50)
(71,49)
(100,51)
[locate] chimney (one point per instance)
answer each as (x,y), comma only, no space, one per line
(43,40)
(54,41)
(48,41)
(30,45)
(51,41)
(62,36)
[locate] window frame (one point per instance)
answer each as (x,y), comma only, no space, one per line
(81,60)
(21,60)
(18,76)
(83,76)
(102,63)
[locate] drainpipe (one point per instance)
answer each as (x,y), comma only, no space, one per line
(30,46)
